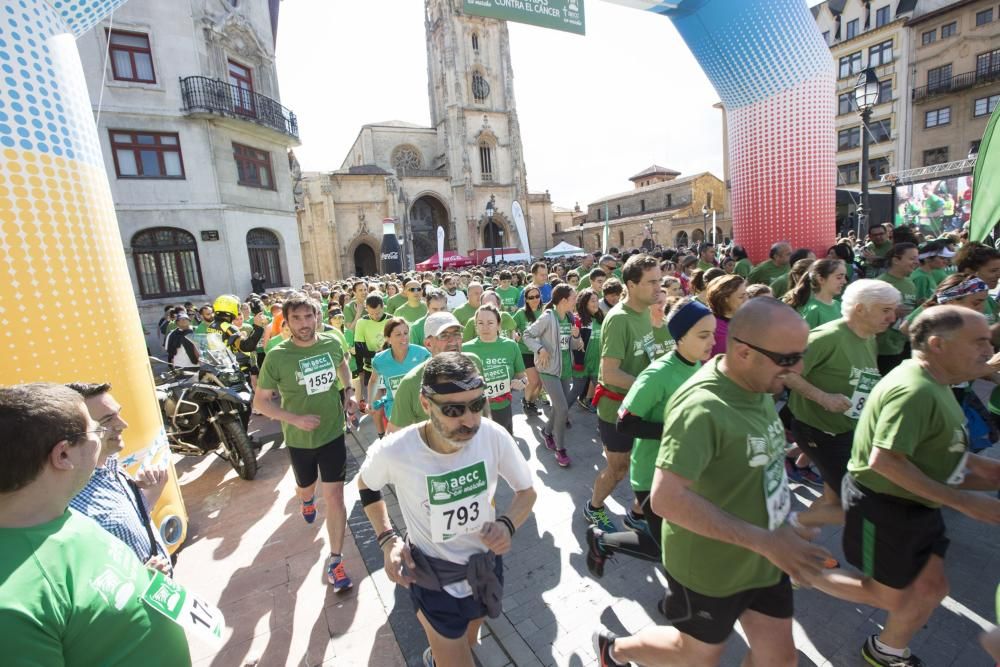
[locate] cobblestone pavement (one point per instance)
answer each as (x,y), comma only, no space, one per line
(250,550)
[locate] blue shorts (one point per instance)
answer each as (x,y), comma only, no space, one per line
(448,615)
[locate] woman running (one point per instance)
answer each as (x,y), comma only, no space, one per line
(723,296)
(508,327)
(815,295)
(551,338)
(391,364)
(523,318)
(503,367)
(591,316)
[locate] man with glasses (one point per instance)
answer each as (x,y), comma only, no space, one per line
(608,265)
(119,504)
(414,308)
(876,252)
(729,542)
(69,590)
(444,471)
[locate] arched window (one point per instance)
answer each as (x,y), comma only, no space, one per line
(480,88)
(265,256)
(475,42)
(166,263)
(682,239)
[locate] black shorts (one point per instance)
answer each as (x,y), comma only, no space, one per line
(830,453)
(614,441)
(889,539)
(328,462)
(529,360)
(448,615)
(711,620)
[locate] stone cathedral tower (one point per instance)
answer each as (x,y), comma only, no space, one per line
(471,91)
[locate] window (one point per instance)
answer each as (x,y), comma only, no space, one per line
(475,42)
(618,210)
(935,156)
(884,91)
(849,138)
(621,239)
(974,147)
(253,167)
(984,17)
(985,105)
(486,161)
(642,205)
(881,16)
(166,263)
(938,78)
(880,54)
(852,29)
(877,168)
(928,37)
(264,249)
(670,200)
(850,65)
(937,117)
(847,173)
(146,154)
(949,30)
(241,78)
(130,55)
(988,64)
(881,130)
(480,88)
(708,199)
(845,103)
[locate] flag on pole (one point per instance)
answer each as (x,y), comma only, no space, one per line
(607,231)
(986,184)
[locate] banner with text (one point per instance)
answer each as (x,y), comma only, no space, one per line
(565,15)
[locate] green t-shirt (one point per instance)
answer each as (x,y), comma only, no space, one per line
(271,344)
(765,272)
(647,399)
(508,298)
(941,274)
(295,371)
(584,282)
(202,328)
(406,408)
(912,414)
(347,347)
(705,266)
(394,302)
(352,362)
(779,286)
(411,313)
(417,331)
(464,313)
(892,341)
(72,595)
(565,331)
(815,312)
(521,324)
(990,310)
(730,444)
(349,310)
(662,340)
(502,362)
(838,361)
(626,335)
(925,283)
(372,334)
(882,250)
(743,267)
(507,327)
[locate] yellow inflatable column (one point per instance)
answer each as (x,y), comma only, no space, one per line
(66,303)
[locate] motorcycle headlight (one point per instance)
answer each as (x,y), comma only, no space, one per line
(230,378)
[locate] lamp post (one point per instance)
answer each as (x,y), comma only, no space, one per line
(501,245)
(490,207)
(865,98)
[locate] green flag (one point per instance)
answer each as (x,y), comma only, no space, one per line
(986,184)
(607,231)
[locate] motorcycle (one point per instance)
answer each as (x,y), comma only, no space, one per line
(207,410)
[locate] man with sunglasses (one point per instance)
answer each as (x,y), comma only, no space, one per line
(414,308)
(729,544)
(70,592)
(444,471)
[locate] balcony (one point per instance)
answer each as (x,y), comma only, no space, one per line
(955,84)
(211,97)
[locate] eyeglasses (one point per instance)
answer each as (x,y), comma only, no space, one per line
(454,410)
(100,432)
(534,297)
(783,360)
(449,335)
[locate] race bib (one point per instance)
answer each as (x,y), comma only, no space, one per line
(318,373)
(866,382)
(459,502)
(564,342)
(394,383)
(497,381)
(776,493)
(184,608)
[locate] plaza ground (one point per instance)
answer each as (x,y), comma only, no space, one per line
(249,551)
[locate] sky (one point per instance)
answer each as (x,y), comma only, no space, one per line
(594,110)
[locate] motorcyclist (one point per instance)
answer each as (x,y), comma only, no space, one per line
(227,309)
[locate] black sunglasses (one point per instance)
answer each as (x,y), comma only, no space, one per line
(413,289)
(454,410)
(533,297)
(783,360)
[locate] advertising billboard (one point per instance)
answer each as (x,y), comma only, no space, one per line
(565,15)
(934,206)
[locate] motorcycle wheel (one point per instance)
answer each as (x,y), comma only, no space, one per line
(241,454)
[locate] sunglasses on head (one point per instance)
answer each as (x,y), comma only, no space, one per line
(454,410)
(779,359)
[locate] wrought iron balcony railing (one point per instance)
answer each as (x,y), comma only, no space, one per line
(201,93)
(955,83)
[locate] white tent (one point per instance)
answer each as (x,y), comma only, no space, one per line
(565,250)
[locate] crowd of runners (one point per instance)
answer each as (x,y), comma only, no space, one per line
(715,382)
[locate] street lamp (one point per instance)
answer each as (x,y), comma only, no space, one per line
(490,207)
(865,98)
(501,245)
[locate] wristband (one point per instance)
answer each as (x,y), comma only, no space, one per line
(507,522)
(386,537)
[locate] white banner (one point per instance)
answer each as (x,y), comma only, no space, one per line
(441,248)
(522,230)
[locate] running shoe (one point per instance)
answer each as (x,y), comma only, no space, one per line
(585,404)
(603,641)
(529,407)
(428,658)
(595,554)
(875,657)
(634,523)
(793,471)
(550,442)
(337,575)
(811,476)
(562,458)
(309,509)
(599,517)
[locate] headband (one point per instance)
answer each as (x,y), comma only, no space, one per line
(961,290)
(685,318)
(453,386)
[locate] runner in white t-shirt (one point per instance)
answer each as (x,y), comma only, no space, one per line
(444,472)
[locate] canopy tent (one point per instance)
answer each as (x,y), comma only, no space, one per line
(452,260)
(565,250)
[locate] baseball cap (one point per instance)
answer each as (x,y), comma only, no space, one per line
(607,258)
(438,322)
(183,315)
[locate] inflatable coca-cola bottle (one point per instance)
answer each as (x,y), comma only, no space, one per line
(391,258)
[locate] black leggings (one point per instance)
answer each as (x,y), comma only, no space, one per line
(638,544)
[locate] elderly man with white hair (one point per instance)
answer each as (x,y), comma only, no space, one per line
(839,372)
